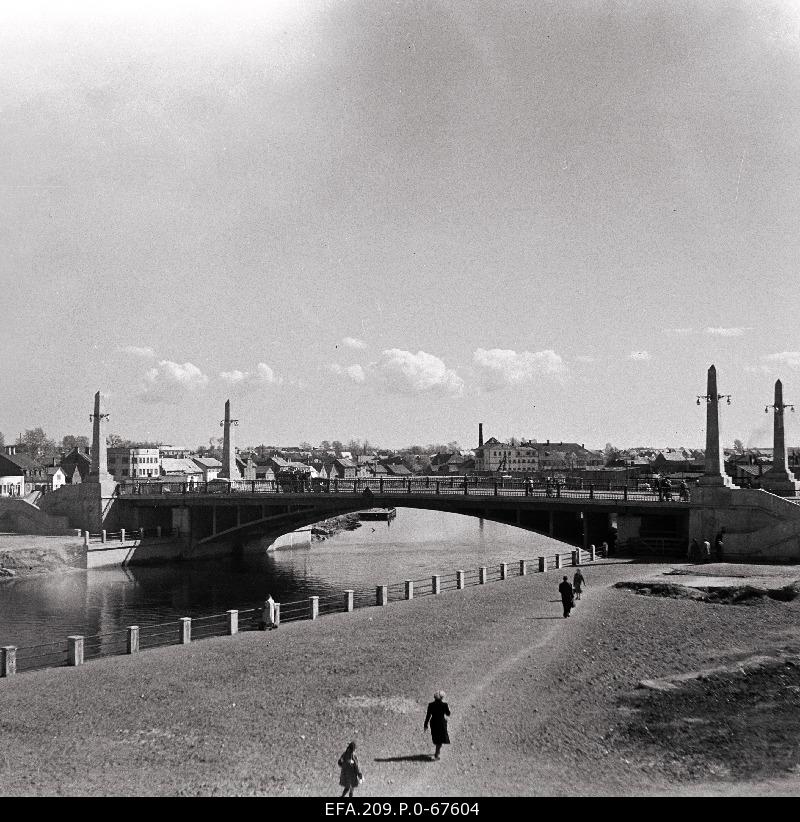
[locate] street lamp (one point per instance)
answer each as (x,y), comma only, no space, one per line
(710,397)
(778,408)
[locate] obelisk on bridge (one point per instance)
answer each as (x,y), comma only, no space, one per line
(713,473)
(779,479)
(229,469)
(98,471)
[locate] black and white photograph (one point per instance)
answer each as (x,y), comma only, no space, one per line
(397,402)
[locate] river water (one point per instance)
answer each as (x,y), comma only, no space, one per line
(414,545)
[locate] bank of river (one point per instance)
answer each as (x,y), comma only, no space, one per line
(47,608)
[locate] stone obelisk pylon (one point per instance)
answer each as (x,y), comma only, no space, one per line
(713,473)
(98,471)
(779,479)
(229,469)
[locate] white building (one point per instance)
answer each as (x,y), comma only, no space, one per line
(133,463)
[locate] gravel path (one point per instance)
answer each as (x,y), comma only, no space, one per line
(541,705)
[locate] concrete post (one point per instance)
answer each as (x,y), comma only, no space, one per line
(523,567)
(8,660)
(229,469)
(348,599)
(437,487)
(503,570)
(133,639)
(409,589)
(103,535)
(713,473)
(233,622)
(558,560)
(436,584)
(459,580)
(314,605)
(277,621)
(576,557)
(592,553)
(122,535)
(543,564)
(482,575)
(98,471)
(158,528)
(75,650)
(85,539)
(185,631)
(382,595)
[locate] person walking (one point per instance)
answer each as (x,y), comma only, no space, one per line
(567,596)
(719,545)
(694,553)
(350,775)
(437,714)
(268,615)
(578,581)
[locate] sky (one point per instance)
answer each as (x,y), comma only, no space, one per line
(395,220)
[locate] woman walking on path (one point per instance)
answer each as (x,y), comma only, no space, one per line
(578,581)
(437,711)
(351,773)
(567,596)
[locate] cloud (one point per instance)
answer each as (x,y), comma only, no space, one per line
(788,358)
(264,375)
(354,342)
(234,377)
(583,358)
(639,356)
(727,332)
(401,372)
(169,381)
(500,367)
(679,331)
(144,351)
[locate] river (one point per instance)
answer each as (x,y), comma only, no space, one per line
(416,544)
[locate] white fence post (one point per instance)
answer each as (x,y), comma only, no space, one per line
(436,584)
(233,622)
(543,564)
(503,570)
(8,660)
(409,589)
(558,560)
(314,603)
(75,652)
(381,595)
(186,630)
(132,645)
(482,575)
(459,580)
(348,599)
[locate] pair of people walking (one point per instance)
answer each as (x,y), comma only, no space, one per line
(571,591)
(351,775)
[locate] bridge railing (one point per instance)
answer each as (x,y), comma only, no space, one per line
(428,485)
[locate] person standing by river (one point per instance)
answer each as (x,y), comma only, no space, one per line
(436,716)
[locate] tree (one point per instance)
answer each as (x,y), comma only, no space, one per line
(453,446)
(337,447)
(70,441)
(738,446)
(611,453)
(354,447)
(114,441)
(2,440)
(325,445)
(36,444)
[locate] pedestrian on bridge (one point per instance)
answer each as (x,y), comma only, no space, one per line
(567,596)
(578,581)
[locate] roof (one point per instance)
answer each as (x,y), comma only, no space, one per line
(23,461)
(170,465)
(54,469)
(9,467)
(207,462)
(398,470)
(345,463)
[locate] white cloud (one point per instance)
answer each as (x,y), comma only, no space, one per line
(401,372)
(354,342)
(234,377)
(727,332)
(169,381)
(789,358)
(500,367)
(137,351)
(639,356)
(356,373)
(264,375)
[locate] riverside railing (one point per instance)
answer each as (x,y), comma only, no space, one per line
(77,649)
(430,485)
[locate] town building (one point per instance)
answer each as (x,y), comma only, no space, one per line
(12,477)
(126,463)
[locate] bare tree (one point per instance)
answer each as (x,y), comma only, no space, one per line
(36,444)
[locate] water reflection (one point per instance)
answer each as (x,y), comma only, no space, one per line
(417,543)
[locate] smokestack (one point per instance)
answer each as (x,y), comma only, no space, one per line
(480,435)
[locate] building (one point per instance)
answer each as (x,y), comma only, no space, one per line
(178,452)
(55,477)
(126,463)
(341,469)
(12,477)
(526,457)
(181,470)
(210,466)
(77,463)
(34,473)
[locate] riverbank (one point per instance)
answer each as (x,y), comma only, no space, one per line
(541,705)
(28,555)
